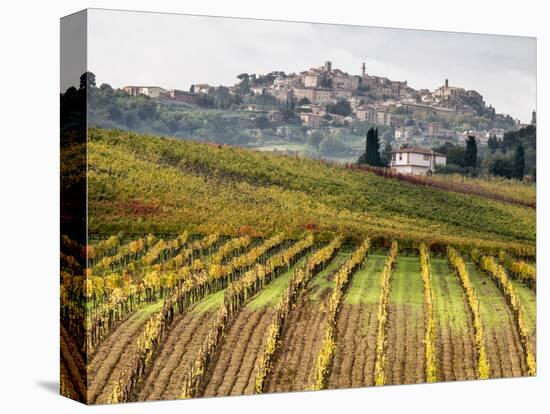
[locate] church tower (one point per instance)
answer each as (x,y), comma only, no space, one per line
(363,70)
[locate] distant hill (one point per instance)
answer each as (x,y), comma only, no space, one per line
(141,183)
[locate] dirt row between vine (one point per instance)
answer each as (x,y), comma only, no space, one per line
(113,356)
(355,354)
(233,370)
(295,359)
(176,353)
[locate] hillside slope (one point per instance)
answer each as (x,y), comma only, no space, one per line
(143,183)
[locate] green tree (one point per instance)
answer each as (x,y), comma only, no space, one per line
(262,122)
(470,155)
(372,149)
(333,145)
(492,143)
(518,165)
(501,167)
(87,80)
(341,107)
(314,139)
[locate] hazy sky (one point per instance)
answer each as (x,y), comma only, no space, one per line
(175,51)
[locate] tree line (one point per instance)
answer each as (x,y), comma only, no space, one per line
(512,157)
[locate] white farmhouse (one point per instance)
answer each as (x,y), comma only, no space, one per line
(416,161)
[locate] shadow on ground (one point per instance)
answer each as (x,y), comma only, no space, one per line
(50,386)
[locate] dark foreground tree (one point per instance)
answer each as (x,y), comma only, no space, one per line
(470,156)
(518,168)
(371,156)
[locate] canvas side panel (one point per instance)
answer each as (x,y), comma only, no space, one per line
(73,231)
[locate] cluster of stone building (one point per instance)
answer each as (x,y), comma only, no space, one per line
(157,92)
(375,99)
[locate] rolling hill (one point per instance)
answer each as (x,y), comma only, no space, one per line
(139,184)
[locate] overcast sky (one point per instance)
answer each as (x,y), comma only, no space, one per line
(175,51)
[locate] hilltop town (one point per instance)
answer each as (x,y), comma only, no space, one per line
(328,98)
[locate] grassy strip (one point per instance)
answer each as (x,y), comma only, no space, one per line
(326,351)
(383,305)
(498,274)
(300,280)
(457,263)
(431,355)
(235,297)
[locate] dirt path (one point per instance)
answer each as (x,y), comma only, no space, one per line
(405,349)
(114,355)
(455,341)
(503,342)
(355,353)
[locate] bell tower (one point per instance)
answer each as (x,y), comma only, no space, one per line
(363,69)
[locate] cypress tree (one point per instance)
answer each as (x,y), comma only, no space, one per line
(470,155)
(371,156)
(518,168)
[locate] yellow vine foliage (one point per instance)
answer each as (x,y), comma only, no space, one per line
(519,268)
(325,354)
(383,304)
(431,359)
(490,266)
(484,369)
(235,297)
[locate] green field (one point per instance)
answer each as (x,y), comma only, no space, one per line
(322,281)
(273,292)
(365,285)
(211,302)
(407,287)
(449,298)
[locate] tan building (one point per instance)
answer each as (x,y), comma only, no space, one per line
(311,120)
(341,94)
(275,116)
(383,118)
(344,81)
(150,91)
(181,96)
(282,95)
(446,90)
(316,96)
(312,80)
